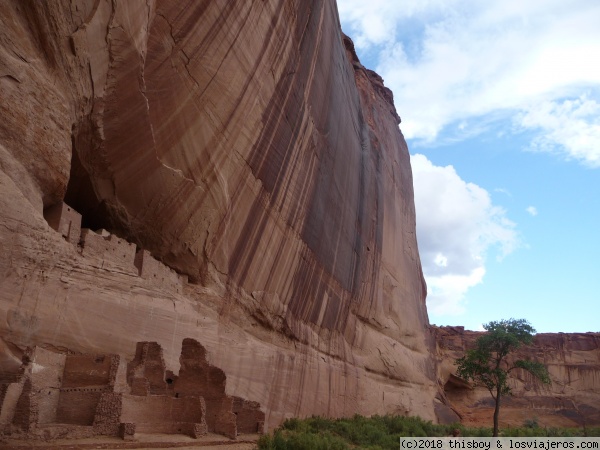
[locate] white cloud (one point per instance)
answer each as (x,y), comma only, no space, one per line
(376,22)
(463,61)
(457,226)
(532,210)
(503,191)
(570,127)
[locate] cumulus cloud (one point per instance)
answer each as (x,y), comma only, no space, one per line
(466,65)
(532,210)
(570,127)
(457,226)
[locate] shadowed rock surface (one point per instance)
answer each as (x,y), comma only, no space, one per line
(237,145)
(571,400)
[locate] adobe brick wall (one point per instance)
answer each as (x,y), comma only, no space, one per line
(47,402)
(194,430)
(162,409)
(146,373)
(87,371)
(3,390)
(225,421)
(60,431)
(103,245)
(77,406)
(108,247)
(249,417)
(156,272)
(127,431)
(47,368)
(198,377)
(71,395)
(140,386)
(26,411)
(65,220)
(44,380)
(8,402)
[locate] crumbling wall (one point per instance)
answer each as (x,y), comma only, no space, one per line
(26,412)
(108,247)
(45,373)
(249,417)
(9,396)
(107,420)
(77,406)
(198,378)
(146,373)
(87,371)
(163,414)
(224,419)
(157,273)
(85,378)
(81,395)
(65,220)
(103,245)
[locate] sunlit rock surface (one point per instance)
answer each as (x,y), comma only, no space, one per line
(237,145)
(571,400)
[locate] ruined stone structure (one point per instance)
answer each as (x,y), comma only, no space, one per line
(55,394)
(571,400)
(118,252)
(159,274)
(241,146)
(65,220)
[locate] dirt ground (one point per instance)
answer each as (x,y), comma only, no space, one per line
(141,441)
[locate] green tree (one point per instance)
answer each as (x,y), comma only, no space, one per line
(488,363)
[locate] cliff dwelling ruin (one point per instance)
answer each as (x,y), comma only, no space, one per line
(57,394)
(207,224)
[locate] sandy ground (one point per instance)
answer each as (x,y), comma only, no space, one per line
(142,441)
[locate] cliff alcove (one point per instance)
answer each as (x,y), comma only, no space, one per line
(237,143)
(80,195)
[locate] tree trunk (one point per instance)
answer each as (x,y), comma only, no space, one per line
(496,413)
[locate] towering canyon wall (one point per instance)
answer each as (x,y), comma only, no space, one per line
(254,166)
(572,399)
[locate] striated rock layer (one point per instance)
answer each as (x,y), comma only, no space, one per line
(571,400)
(240,144)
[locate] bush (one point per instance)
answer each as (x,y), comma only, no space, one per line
(531,423)
(384,432)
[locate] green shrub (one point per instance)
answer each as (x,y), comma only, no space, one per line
(384,432)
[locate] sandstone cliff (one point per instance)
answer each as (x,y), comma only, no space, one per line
(571,400)
(237,145)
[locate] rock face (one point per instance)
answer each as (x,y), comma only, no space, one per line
(256,191)
(571,400)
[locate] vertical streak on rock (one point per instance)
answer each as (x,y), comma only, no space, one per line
(241,144)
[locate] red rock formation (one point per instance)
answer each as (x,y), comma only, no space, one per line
(243,145)
(571,400)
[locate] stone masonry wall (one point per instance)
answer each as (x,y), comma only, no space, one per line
(65,220)
(157,273)
(73,395)
(159,409)
(108,246)
(86,371)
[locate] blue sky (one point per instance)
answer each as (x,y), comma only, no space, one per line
(500,106)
